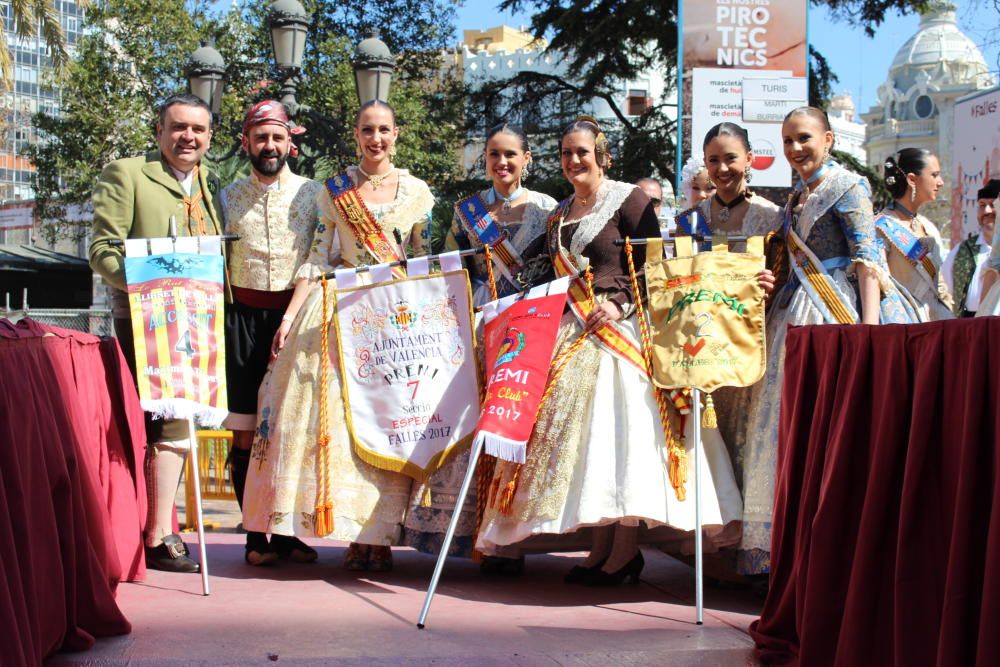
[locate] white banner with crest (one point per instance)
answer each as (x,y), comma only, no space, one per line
(409,370)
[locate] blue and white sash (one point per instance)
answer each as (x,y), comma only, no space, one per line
(482,229)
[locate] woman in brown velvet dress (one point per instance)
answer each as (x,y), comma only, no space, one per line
(596,456)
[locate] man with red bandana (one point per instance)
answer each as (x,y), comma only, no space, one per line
(275,213)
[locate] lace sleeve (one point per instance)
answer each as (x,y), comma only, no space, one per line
(324,254)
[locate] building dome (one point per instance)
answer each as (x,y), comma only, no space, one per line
(938,49)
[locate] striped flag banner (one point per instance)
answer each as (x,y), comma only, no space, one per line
(176,301)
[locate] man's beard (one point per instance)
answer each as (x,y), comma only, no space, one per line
(261,162)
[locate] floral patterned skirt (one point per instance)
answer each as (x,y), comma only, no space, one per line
(370,505)
(597,456)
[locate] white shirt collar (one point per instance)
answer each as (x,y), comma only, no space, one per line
(185,178)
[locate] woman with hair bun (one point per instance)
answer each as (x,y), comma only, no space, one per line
(507,215)
(734,209)
(912,243)
(287,476)
(595,459)
(838,275)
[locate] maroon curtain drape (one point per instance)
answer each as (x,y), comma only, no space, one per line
(886,542)
(72,496)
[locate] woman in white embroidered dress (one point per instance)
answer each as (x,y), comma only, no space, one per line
(734,209)
(913,178)
(597,455)
(369,504)
(520,213)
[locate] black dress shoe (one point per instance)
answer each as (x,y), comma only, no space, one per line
(258,550)
(500,566)
(630,571)
(171,556)
(579,573)
(293,549)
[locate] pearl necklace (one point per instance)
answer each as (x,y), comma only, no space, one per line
(376,179)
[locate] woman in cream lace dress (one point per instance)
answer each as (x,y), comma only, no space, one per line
(370,505)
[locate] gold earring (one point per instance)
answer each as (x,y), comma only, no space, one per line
(357,152)
(913,192)
(392,153)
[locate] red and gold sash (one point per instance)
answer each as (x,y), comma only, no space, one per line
(362,223)
(615,339)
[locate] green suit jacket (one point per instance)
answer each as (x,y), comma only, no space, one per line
(135,199)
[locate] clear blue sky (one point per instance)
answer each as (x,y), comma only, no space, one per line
(861,62)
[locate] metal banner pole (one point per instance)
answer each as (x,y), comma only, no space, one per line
(439,566)
(196,473)
(699,555)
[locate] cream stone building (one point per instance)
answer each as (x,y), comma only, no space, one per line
(916,103)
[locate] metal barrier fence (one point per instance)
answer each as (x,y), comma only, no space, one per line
(95,321)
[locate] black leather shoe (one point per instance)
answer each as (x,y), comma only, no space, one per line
(579,573)
(500,566)
(258,551)
(171,556)
(630,571)
(293,549)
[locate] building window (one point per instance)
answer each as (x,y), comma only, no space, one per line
(923,107)
(638,102)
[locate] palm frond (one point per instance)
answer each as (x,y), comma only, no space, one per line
(52,32)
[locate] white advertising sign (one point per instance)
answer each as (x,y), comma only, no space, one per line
(20,217)
(718,96)
(976,159)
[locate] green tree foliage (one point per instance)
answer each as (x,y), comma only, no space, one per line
(135,54)
(609,41)
(123,67)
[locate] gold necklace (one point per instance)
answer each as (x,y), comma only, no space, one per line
(583,200)
(376,179)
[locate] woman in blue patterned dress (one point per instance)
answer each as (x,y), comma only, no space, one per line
(838,275)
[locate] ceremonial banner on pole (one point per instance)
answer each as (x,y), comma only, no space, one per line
(176,304)
(520,336)
(707,315)
(408,362)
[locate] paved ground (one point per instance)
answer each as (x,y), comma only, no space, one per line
(320,614)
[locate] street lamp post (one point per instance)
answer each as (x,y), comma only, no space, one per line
(289,24)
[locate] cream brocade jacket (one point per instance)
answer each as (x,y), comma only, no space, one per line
(335,245)
(275,226)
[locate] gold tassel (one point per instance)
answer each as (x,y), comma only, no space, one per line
(708,418)
(425,498)
(324,519)
(320,524)
(678,471)
(507,497)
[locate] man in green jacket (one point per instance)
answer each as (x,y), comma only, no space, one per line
(135,198)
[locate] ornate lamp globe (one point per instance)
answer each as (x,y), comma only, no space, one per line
(373,67)
(289,23)
(206,74)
